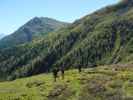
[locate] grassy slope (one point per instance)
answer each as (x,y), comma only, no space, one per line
(101,83)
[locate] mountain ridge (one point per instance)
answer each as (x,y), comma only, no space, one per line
(36,27)
(2,35)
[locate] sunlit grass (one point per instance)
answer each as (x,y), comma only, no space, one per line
(96,83)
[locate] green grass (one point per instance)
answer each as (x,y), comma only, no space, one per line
(101,83)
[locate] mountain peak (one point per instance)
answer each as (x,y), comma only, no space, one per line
(46,20)
(127,2)
(34,28)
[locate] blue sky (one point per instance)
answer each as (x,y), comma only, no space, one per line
(14,13)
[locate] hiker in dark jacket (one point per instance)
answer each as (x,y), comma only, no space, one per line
(79,68)
(55,73)
(62,72)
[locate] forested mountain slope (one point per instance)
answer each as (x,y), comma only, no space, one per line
(104,37)
(34,28)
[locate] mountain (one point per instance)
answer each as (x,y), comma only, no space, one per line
(101,38)
(34,28)
(2,35)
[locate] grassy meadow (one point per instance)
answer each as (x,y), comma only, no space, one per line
(101,83)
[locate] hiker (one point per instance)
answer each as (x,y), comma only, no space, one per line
(55,73)
(79,68)
(62,72)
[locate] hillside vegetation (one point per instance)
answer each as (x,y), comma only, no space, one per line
(113,82)
(103,37)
